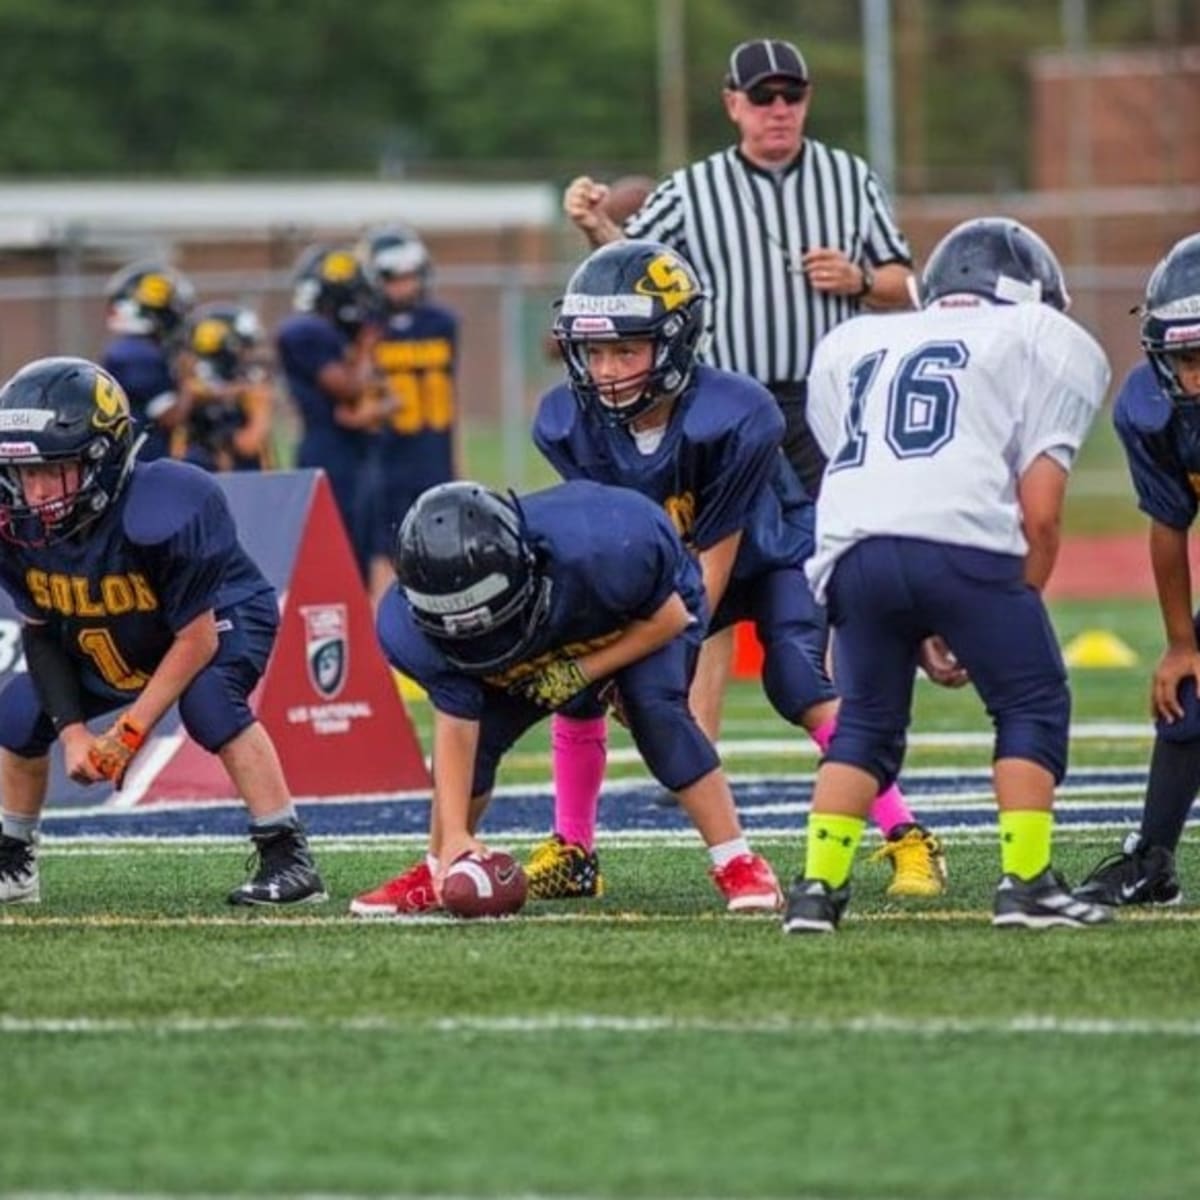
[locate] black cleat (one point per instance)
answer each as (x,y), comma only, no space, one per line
(285,874)
(19,882)
(814,907)
(1043,903)
(1136,874)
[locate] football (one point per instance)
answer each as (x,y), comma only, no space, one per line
(491,885)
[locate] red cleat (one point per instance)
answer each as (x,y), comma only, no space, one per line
(407,895)
(748,884)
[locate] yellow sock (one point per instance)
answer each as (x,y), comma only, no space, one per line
(832,841)
(1025,842)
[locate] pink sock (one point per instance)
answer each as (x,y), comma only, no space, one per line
(823,734)
(889,808)
(579,750)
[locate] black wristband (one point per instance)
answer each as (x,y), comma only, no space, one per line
(55,678)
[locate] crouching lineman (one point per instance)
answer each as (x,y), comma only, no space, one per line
(950,434)
(134,593)
(1157,416)
(639,411)
(505,610)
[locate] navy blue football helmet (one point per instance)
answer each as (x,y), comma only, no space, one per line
(223,337)
(148,298)
(331,283)
(472,579)
(631,290)
(996,258)
(1171,313)
(393,252)
(62,411)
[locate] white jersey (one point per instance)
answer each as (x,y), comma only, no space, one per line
(930,418)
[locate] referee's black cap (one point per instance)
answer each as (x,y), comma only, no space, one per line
(764,58)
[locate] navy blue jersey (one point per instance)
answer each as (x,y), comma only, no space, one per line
(612,558)
(718,469)
(414,360)
(308,343)
(1162,443)
(141,366)
(116,595)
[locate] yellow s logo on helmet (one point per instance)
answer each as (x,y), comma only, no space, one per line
(208,336)
(153,290)
(667,279)
(112,406)
(339,266)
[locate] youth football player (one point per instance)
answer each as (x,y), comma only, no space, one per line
(413,350)
(950,434)
(1157,416)
(639,412)
(134,594)
(506,610)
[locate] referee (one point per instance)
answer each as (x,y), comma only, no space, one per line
(789,236)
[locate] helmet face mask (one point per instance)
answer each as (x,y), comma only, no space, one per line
(1170,319)
(61,413)
(631,291)
(997,259)
(471,579)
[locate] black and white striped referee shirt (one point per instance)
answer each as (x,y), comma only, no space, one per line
(745,229)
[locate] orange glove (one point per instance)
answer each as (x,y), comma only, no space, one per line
(113,750)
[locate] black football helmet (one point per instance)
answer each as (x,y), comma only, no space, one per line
(473,581)
(631,290)
(148,298)
(392,252)
(1171,313)
(224,337)
(331,283)
(63,411)
(996,258)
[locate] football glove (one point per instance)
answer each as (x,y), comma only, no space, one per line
(554,684)
(113,750)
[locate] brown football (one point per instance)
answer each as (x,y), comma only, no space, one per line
(491,885)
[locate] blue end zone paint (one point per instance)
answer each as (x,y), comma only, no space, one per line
(941,800)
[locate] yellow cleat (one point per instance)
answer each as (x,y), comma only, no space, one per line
(918,864)
(561,870)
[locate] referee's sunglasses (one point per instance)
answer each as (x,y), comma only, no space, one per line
(762,95)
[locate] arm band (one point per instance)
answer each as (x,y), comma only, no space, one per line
(54,676)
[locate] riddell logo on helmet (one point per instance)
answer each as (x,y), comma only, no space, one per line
(18,450)
(592,325)
(1182,333)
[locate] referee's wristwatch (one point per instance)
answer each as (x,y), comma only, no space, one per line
(868,281)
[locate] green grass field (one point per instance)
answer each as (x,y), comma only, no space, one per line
(155,1042)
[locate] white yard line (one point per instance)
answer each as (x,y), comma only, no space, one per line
(872,1024)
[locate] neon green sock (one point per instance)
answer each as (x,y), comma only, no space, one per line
(1025,842)
(832,841)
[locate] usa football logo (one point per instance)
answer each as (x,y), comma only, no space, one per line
(326,647)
